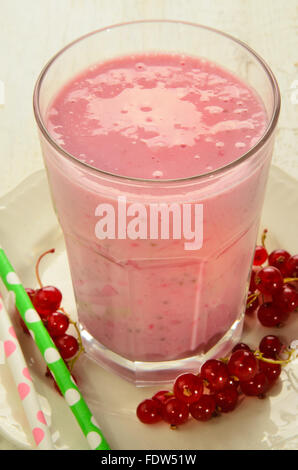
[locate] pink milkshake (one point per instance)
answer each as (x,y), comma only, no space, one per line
(155,135)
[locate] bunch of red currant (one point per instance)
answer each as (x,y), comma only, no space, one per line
(273,289)
(218,386)
(47,302)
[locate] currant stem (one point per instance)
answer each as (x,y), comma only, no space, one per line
(72,362)
(37,266)
(260,356)
(79,339)
(251,298)
(290,279)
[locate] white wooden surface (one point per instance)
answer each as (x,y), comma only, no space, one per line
(32,31)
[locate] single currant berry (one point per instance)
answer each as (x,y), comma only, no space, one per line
(243,365)
(252,284)
(226,400)
(31,293)
(269,280)
(57,324)
(272,371)
(252,304)
(204,408)
(242,346)
(234,382)
(260,255)
(188,388)
(268,315)
(175,412)
(149,411)
(278,259)
(162,396)
(270,346)
(47,300)
(292,266)
(67,345)
(257,386)
(216,373)
(286,300)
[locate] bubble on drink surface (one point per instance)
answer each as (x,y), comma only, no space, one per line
(197,157)
(220,144)
(239,145)
(240,110)
(214,109)
(157,174)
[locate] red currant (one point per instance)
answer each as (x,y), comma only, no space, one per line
(268,315)
(292,266)
(278,259)
(188,388)
(216,373)
(251,305)
(256,386)
(47,300)
(241,346)
(270,346)
(226,400)
(31,293)
(175,411)
(162,396)
(67,345)
(272,371)
(242,364)
(149,411)
(269,280)
(233,381)
(252,284)
(57,324)
(286,300)
(260,255)
(203,409)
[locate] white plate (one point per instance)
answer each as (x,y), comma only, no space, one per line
(29,227)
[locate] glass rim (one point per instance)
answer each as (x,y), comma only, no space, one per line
(271,125)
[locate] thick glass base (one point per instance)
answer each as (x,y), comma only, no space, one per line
(144,374)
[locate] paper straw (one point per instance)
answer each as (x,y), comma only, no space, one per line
(19,370)
(52,357)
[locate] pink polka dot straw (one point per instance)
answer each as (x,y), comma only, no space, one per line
(52,357)
(18,367)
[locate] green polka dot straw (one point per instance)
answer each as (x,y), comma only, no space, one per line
(52,357)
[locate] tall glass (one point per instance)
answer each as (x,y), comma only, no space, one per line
(150,308)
